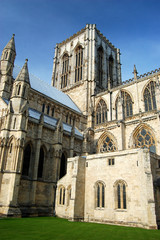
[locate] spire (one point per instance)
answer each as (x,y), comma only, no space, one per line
(24,74)
(11,44)
(135,72)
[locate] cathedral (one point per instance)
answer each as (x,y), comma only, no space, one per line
(86,148)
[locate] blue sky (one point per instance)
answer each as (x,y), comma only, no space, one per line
(131,25)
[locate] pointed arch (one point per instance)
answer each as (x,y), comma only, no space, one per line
(110,70)
(99,194)
(144,137)
(127,104)
(63,165)
(26,159)
(107,143)
(120,191)
(149,96)
(100,65)
(79,63)
(41,162)
(101,112)
(65,70)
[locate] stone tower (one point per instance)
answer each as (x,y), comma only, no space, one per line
(13,136)
(85,65)
(7,64)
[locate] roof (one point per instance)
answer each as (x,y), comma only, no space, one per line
(44,88)
(53,122)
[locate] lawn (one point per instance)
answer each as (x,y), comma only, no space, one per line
(48,228)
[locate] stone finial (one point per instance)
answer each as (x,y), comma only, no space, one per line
(135,72)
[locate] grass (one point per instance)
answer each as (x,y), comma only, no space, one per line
(48,228)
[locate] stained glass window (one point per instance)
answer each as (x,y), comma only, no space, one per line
(101,112)
(149,97)
(144,139)
(100,195)
(108,145)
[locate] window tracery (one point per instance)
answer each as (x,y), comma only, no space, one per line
(79,64)
(100,66)
(65,71)
(127,105)
(107,145)
(149,97)
(101,112)
(144,139)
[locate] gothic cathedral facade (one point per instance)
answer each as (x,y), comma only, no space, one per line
(86,148)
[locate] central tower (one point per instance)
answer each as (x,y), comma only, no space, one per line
(84,65)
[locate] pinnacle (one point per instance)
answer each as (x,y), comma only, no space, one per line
(11,44)
(24,74)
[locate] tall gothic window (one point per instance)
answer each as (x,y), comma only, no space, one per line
(111,62)
(41,163)
(26,160)
(65,71)
(149,97)
(126,105)
(79,64)
(100,195)
(101,112)
(61,195)
(63,167)
(107,145)
(120,194)
(144,139)
(100,66)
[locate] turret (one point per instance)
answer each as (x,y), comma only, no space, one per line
(7,64)
(20,90)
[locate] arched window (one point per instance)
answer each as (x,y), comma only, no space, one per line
(126,105)
(110,72)
(120,195)
(149,97)
(65,71)
(100,65)
(68,195)
(100,195)
(26,160)
(41,163)
(43,107)
(101,112)
(107,145)
(48,109)
(6,55)
(61,195)
(24,91)
(63,166)
(79,64)
(144,139)
(52,112)
(18,89)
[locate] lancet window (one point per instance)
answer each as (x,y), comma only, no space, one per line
(120,194)
(79,64)
(100,66)
(65,71)
(111,70)
(149,97)
(100,195)
(127,105)
(101,112)
(26,160)
(41,163)
(61,195)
